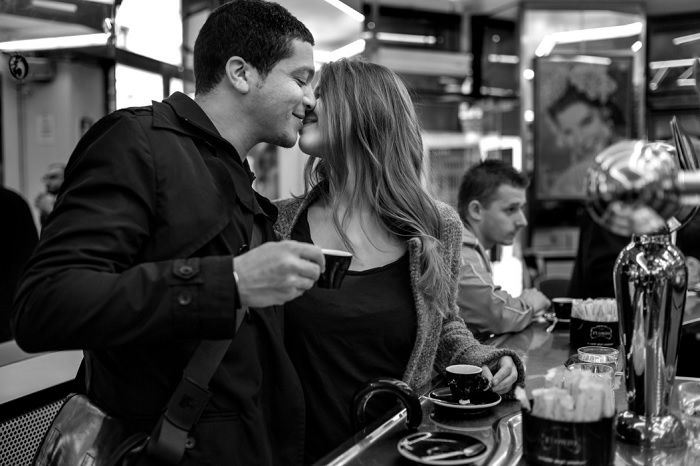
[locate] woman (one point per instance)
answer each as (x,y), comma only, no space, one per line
(584,127)
(395,314)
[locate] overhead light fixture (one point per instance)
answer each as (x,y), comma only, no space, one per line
(686,82)
(403,38)
(637,46)
(349,50)
(55,43)
(351,12)
(685,39)
(655,65)
(499,58)
(585,35)
(589,59)
(53,5)
(656,80)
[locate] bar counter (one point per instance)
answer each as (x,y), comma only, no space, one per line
(499,427)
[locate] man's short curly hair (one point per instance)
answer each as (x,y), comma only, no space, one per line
(258,31)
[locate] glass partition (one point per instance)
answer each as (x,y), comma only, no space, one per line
(582,88)
(582,85)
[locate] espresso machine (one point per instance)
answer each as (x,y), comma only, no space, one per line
(655,188)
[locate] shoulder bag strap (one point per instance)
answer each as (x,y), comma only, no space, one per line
(168,439)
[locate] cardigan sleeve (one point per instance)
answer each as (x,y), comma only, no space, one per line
(457,344)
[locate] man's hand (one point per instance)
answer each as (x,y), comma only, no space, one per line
(505,377)
(535,299)
(277,272)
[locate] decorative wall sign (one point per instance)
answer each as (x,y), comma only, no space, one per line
(19,68)
(583,104)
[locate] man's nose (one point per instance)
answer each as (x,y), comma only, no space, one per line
(309,99)
(521,221)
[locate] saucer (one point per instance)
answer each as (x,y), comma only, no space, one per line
(479,401)
(442,448)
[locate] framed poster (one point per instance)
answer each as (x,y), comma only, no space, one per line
(583,104)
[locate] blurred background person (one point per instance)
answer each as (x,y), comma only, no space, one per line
(395,314)
(18,238)
(491,199)
(44,201)
(263,159)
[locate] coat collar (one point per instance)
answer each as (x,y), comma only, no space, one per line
(182,114)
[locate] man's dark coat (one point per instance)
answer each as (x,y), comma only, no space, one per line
(134,266)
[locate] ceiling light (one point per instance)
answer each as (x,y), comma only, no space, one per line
(637,46)
(584,35)
(685,39)
(658,76)
(655,65)
(54,43)
(351,12)
(499,58)
(404,38)
(58,6)
(590,59)
(353,48)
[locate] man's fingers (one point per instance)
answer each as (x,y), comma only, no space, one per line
(307,269)
(309,252)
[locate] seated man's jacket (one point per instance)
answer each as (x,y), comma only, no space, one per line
(484,306)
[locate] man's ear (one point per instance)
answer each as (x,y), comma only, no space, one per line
(475,209)
(238,74)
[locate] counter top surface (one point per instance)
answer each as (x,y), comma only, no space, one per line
(540,351)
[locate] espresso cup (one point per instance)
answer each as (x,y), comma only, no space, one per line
(562,307)
(465,380)
(337,263)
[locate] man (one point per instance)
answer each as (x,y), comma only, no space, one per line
(491,202)
(17,240)
(44,201)
(136,264)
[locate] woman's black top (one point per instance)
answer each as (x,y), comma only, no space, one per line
(340,339)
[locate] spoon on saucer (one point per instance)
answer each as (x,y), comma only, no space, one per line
(468,452)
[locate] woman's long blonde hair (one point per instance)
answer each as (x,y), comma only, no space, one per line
(371,129)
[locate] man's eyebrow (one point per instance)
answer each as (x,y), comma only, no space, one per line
(309,72)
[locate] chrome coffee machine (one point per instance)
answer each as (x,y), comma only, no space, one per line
(650,274)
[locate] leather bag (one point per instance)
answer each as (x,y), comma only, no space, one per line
(83,435)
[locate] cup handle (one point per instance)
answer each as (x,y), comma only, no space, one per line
(405,394)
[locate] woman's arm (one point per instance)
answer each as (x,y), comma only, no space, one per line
(457,344)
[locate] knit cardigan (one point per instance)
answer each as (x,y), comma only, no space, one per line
(441,339)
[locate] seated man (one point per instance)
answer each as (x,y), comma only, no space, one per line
(491,201)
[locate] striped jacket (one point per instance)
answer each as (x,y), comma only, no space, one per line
(484,306)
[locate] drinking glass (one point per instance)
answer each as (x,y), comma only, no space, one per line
(603,371)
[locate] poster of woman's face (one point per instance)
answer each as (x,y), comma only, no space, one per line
(582,105)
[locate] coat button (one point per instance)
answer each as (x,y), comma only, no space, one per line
(190,442)
(186,270)
(184,298)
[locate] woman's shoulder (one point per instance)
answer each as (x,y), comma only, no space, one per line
(449,218)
